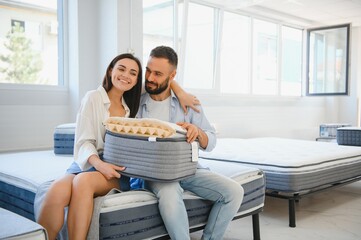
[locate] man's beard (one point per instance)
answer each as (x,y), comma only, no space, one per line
(159,89)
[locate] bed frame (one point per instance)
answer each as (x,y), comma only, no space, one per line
(293,198)
(255,225)
(294,168)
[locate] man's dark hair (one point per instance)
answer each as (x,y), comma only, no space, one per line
(167,53)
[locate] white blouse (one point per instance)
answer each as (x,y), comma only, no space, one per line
(90,131)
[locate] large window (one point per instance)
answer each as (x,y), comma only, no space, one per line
(157,30)
(225,52)
(265,58)
(328,60)
(29,42)
(291,62)
(200,48)
(235,52)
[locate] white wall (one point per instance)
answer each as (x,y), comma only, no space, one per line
(262,117)
(28,117)
(100,29)
(349,107)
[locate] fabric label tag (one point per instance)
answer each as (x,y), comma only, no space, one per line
(194,151)
(152,139)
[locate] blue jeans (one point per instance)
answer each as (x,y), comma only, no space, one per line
(226,194)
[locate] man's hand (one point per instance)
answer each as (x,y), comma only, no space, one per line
(192,131)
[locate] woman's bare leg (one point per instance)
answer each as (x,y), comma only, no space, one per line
(86,186)
(51,215)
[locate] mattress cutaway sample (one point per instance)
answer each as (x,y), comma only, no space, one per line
(150,149)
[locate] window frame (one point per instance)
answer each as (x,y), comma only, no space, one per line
(347,36)
(218,25)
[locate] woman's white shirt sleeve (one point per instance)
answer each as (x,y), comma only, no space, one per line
(90,131)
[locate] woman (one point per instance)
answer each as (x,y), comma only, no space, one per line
(89,177)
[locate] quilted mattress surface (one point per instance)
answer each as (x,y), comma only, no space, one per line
(21,173)
(289,164)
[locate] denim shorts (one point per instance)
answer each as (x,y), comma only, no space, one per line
(123,181)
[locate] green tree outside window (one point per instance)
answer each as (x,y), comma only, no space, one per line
(21,64)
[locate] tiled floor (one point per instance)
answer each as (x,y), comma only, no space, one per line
(333,215)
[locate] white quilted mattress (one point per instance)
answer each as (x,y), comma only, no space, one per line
(289,164)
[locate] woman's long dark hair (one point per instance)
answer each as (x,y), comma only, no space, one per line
(132,96)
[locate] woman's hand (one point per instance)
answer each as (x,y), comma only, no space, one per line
(188,100)
(185,99)
(107,169)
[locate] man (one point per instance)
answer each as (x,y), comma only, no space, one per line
(161,103)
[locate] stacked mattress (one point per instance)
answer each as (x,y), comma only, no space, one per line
(291,165)
(125,215)
(64,135)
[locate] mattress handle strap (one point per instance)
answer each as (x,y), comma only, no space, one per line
(152,139)
(195,149)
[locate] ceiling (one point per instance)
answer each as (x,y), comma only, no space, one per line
(305,13)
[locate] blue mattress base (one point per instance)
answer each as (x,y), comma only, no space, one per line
(17,200)
(64,136)
(63,143)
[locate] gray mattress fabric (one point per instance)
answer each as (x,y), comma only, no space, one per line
(349,136)
(124,215)
(156,159)
(291,165)
(14,226)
